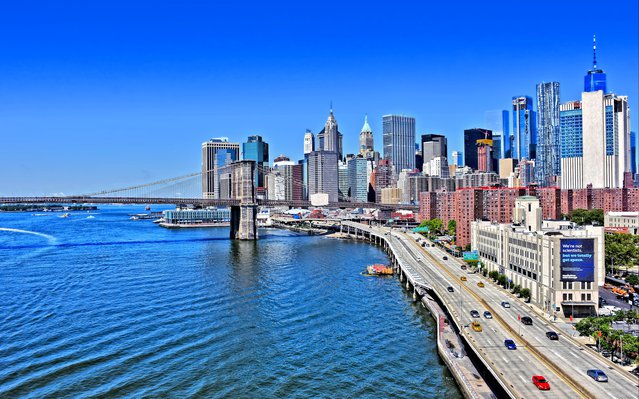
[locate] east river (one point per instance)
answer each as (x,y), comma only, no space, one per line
(99,306)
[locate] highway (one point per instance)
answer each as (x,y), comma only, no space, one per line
(563,362)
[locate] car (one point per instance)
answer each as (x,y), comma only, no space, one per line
(463,267)
(445,258)
(526,320)
(597,375)
(541,382)
(510,344)
(450,289)
(474,313)
(476,326)
(432,245)
(505,304)
(488,315)
(553,336)
(480,284)
(463,278)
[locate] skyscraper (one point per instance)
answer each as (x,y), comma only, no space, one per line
(358,178)
(470,145)
(458,158)
(524,130)
(329,138)
(385,176)
(485,155)
(342,180)
(366,140)
(309,142)
(595,141)
(595,78)
(548,161)
(256,149)
(633,153)
(323,174)
(399,141)
(216,153)
(433,145)
(497,122)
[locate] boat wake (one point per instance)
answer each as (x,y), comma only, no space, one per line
(52,240)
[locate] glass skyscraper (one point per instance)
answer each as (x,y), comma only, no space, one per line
(548,161)
(399,141)
(633,153)
(524,129)
(256,149)
(358,178)
(497,122)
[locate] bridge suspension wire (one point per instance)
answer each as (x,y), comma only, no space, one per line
(182,186)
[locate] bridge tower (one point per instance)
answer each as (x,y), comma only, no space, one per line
(244,215)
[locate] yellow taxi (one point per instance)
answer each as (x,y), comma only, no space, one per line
(476,326)
(463,278)
(480,284)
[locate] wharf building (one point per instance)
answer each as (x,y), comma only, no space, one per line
(548,160)
(560,263)
(398,133)
(216,153)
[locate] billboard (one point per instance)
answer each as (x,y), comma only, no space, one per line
(577,259)
(471,255)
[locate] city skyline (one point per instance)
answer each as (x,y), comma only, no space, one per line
(106,117)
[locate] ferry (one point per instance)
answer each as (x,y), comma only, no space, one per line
(379,270)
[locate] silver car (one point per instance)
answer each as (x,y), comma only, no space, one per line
(597,375)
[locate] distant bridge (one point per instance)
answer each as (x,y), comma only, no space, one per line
(192,201)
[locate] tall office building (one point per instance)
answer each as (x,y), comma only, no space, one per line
(595,141)
(524,129)
(342,180)
(595,78)
(256,149)
(433,145)
(323,174)
(309,142)
(366,140)
(399,141)
(485,155)
(497,122)
(548,161)
(458,158)
(384,177)
(358,178)
(216,153)
(470,145)
(329,138)
(633,153)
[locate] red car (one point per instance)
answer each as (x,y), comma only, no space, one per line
(541,382)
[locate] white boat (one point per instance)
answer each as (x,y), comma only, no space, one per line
(90,217)
(65,215)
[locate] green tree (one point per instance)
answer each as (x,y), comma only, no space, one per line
(632,279)
(452,227)
(493,275)
(516,289)
(525,293)
(502,280)
(585,216)
(621,250)
(467,247)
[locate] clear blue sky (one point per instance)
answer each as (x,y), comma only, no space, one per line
(105,96)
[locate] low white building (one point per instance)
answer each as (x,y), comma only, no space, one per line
(626,222)
(562,264)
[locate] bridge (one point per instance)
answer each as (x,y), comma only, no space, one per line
(187,190)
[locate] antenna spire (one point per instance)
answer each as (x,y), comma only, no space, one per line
(331,106)
(594,52)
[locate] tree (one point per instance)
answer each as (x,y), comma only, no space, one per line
(621,250)
(632,279)
(467,247)
(502,280)
(452,227)
(585,216)
(493,275)
(516,289)
(525,293)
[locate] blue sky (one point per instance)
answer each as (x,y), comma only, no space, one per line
(103,96)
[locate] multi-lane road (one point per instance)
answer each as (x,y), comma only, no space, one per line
(563,362)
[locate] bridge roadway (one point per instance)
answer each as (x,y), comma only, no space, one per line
(192,201)
(563,362)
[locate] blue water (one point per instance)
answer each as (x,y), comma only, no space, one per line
(110,307)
